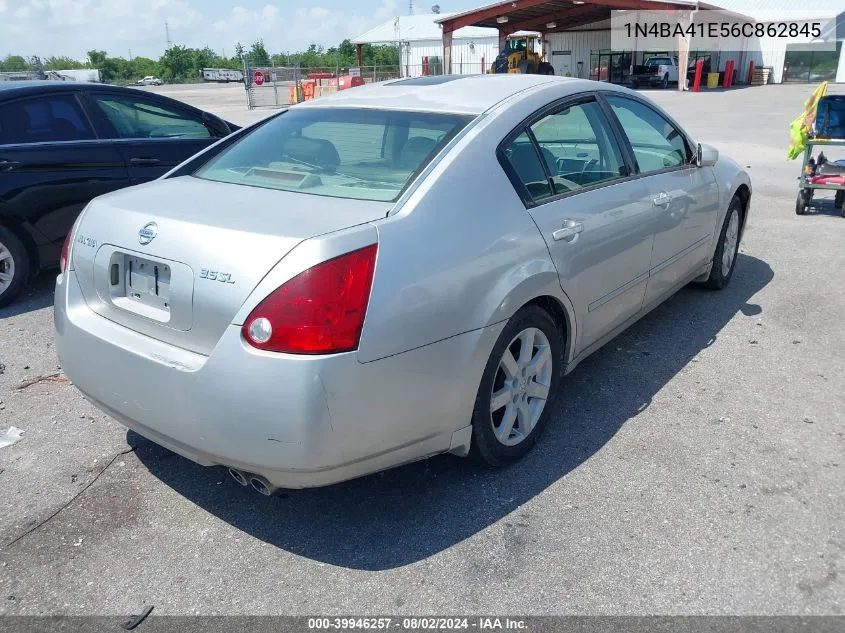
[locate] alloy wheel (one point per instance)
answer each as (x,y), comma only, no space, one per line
(731,240)
(7,268)
(521,386)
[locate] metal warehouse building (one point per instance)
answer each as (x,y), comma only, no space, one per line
(420,41)
(577,35)
(577,38)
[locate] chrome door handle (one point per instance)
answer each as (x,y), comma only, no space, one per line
(570,230)
(662,199)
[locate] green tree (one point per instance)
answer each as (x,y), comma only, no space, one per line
(258,55)
(62,63)
(177,63)
(141,67)
(15,63)
(97,59)
(205,58)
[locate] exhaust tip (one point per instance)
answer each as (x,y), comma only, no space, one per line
(239,477)
(262,486)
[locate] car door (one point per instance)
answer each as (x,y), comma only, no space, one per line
(575,180)
(153,134)
(51,165)
(686,196)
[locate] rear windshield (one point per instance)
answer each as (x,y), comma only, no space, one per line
(365,154)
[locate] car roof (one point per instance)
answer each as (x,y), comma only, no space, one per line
(460,94)
(9,89)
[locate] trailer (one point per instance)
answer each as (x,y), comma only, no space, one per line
(222,75)
(90,75)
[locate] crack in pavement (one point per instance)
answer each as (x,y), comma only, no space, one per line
(70,501)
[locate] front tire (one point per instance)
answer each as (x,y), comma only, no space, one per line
(665,81)
(526,67)
(14,266)
(545,68)
(724,259)
(519,382)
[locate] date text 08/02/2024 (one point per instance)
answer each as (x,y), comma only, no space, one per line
(417,624)
(723,29)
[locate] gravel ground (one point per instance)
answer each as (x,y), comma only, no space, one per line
(695,466)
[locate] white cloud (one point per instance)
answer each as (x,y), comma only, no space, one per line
(68,12)
(315,13)
(242,20)
(73,27)
(386,10)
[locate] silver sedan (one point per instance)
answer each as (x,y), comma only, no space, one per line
(395,271)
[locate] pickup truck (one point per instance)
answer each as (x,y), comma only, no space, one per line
(657,71)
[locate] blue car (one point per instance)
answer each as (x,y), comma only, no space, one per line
(64,143)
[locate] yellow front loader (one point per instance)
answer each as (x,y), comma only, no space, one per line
(520,57)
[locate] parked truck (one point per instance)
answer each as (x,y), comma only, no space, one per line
(222,75)
(657,71)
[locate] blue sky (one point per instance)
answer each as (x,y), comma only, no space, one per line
(72,27)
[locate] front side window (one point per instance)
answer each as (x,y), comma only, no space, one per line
(366,154)
(50,118)
(656,143)
(141,118)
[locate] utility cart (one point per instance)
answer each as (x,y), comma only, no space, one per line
(819,172)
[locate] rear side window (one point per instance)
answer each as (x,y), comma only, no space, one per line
(141,118)
(366,154)
(50,118)
(523,158)
(578,147)
(656,143)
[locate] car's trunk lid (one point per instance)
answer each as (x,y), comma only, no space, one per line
(175,259)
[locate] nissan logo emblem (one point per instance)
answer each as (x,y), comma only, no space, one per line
(147,233)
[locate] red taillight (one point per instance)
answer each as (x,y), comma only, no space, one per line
(320,311)
(64,258)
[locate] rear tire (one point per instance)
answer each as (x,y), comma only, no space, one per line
(545,68)
(517,388)
(802,204)
(14,266)
(724,258)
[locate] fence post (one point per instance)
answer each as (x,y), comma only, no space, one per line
(247,85)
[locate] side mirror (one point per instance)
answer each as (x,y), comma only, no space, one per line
(217,125)
(706,156)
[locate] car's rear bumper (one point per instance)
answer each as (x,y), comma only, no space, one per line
(299,421)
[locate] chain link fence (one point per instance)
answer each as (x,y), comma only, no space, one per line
(279,86)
